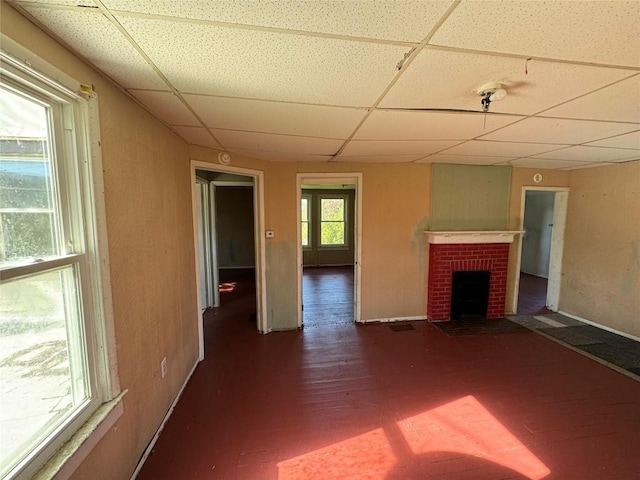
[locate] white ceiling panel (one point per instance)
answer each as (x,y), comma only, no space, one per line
(400,20)
(279,156)
(592,154)
(377,158)
(500,149)
(463,159)
(95,38)
(274,117)
(443,79)
(628,140)
(70,3)
(278,143)
(552,130)
(391,147)
(266,65)
(544,163)
(167,107)
(619,102)
(586,31)
(398,125)
(197,136)
(578,166)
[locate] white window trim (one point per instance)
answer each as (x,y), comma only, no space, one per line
(308,197)
(345,198)
(85,428)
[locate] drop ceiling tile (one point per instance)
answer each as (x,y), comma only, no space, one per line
(618,103)
(377,158)
(543,163)
(558,131)
(628,140)
(280,156)
(443,79)
(394,147)
(591,154)
(197,136)
(95,38)
(246,63)
(167,107)
(278,143)
(70,3)
(274,117)
(416,125)
(463,159)
(500,149)
(400,20)
(598,32)
(579,166)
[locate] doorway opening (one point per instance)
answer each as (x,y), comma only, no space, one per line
(543,217)
(228,231)
(328,249)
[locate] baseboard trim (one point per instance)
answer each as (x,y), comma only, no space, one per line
(392,319)
(153,441)
(599,325)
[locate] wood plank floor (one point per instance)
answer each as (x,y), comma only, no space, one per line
(364,402)
(532,295)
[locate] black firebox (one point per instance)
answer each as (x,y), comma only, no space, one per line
(470,293)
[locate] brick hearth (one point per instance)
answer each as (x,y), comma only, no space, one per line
(444,259)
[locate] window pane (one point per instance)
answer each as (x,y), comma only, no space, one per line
(332,209)
(27,222)
(42,360)
(305,234)
(304,212)
(332,233)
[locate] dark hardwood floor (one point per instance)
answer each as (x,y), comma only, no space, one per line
(327,296)
(532,295)
(346,401)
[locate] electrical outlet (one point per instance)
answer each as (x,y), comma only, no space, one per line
(163,367)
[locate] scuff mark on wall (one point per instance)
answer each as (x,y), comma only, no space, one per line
(630,281)
(418,243)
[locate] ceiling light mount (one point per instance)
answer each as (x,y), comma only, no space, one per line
(490,92)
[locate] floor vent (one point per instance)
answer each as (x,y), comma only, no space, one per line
(402,327)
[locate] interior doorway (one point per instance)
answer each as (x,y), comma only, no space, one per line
(329,212)
(543,217)
(228,204)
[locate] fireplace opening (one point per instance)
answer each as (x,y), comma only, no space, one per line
(470,293)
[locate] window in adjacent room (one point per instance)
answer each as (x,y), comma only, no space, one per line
(333,220)
(305,220)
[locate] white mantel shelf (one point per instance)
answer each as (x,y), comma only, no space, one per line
(482,236)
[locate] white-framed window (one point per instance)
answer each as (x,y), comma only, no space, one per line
(53,357)
(305,220)
(333,220)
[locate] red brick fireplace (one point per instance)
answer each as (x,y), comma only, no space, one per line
(466,251)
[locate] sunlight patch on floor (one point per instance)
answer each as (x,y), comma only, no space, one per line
(462,429)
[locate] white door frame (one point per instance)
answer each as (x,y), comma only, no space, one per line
(258,216)
(332,179)
(557,245)
(208,260)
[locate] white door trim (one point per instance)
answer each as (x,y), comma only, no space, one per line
(258,215)
(557,245)
(332,179)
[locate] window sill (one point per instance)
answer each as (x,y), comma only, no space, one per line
(71,454)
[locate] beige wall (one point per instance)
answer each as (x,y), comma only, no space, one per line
(396,205)
(148,208)
(601,267)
